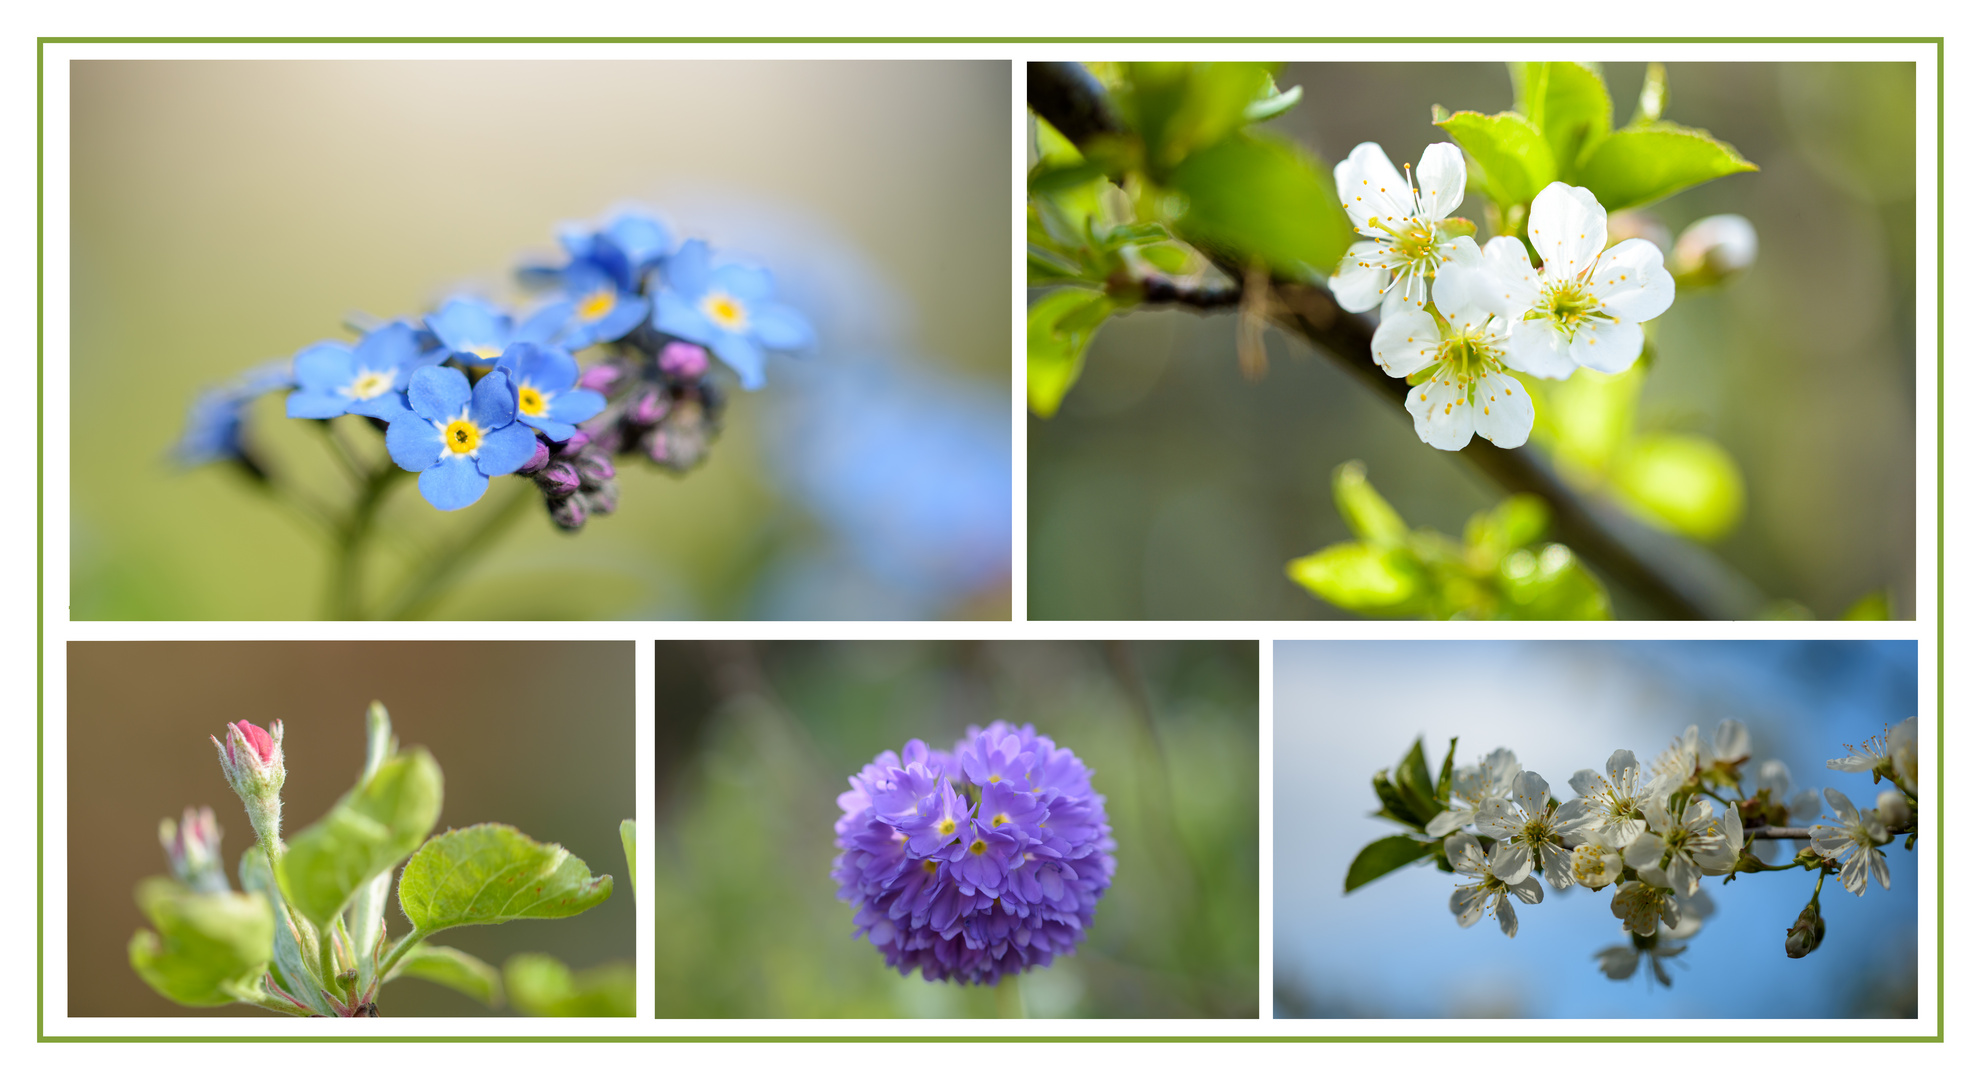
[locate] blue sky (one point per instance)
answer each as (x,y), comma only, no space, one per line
(1342,710)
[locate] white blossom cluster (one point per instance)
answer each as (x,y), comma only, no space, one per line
(1651,833)
(1456,317)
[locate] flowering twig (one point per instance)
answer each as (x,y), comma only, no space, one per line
(1675,577)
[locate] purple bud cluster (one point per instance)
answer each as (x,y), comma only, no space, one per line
(978,863)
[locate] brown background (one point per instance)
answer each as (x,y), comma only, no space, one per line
(537,735)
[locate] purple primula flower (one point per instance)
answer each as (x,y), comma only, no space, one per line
(457,438)
(368,378)
(477,332)
(974,885)
(547,394)
(727,308)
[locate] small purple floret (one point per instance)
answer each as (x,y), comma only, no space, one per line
(978,863)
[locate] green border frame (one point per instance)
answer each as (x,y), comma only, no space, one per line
(1940,547)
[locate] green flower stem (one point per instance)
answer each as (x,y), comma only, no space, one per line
(342,451)
(1010,999)
(346,599)
(425,584)
(391,961)
(250,994)
(326,960)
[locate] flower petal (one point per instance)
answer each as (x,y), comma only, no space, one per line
(1537,348)
(414,443)
(315,405)
(1358,282)
(1608,347)
(576,406)
(1442,413)
(494,401)
(1440,180)
(1509,922)
(674,315)
(780,327)
(1505,414)
(505,450)
(1631,281)
(453,483)
(1370,187)
(1568,228)
(1406,343)
(743,356)
(464,324)
(438,393)
(688,270)
(393,345)
(325,365)
(1512,862)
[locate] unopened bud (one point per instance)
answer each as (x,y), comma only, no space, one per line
(538,458)
(192,846)
(1631,225)
(1807,933)
(647,409)
(1893,810)
(558,479)
(603,499)
(578,441)
(251,759)
(684,360)
(1713,249)
(594,467)
(681,441)
(601,378)
(568,512)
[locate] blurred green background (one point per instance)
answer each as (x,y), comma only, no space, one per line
(756,741)
(226,213)
(545,746)
(1171,488)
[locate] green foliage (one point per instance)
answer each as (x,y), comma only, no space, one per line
(543,986)
(1384,856)
(1510,154)
(453,969)
(374,826)
(1058,329)
(1262,198)
(1501,570)
(1568,102)
(1872,607)
(491,874)
(1642,164)
(209,948)
(629,838)
(295,945)
(1177,109)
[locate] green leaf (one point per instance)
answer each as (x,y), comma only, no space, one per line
(1271,102)
(490,874)
(1395,806)
(367,833)
(1551,585)
(1875,607)
(205,944)
(1652,99)
(1444,773)
(1413,778)
(1515,523)
(629,838)
(1180,108)
(1168,258)
(1591,415)
(1687,483)
(295,946)
(1058,329)
(1045,267)
(543,986)
(1640,165)
(1390,854)
(1259,197)
(1362,578)
(1366,512)
(1048,179)
(1509,149)
(453,969)
(1568,103)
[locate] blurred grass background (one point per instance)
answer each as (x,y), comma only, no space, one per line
(545,745)
(226,213)
(756,741)
(1170,488)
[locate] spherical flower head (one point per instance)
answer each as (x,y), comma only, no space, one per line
(1584,306)
(456,437)
(977,863)
(1472,786)
(192,846)
(1460,384)
(1524,826)
(1394,268)
(548,397)
(368,379)
(1852,839)
(727,308)
(1487,891)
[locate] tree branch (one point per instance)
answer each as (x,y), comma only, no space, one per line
(1676,577)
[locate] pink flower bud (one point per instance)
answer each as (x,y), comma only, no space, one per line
(647,409)
(192,846)
(558,479)
(537,459)
(683,360)
(251,759)
(255,739)
(601,378)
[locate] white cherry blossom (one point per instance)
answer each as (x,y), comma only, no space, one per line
(1610,802)
(1467,389)
(1472,786)
(1686,846)
(1853,841)
(1583,307)
(1895,752)
(1487,891)
(1525,828)
(1395,266)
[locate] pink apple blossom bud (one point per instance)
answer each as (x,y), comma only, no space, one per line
(683,360)
(251,759)
(192,846)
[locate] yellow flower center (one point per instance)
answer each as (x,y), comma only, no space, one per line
(369,384)
(529,400)
(486,352)
(1000,819)
(978,847)
(929,866)
(946,826)
(597,305)
(462,436)
(726,311)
